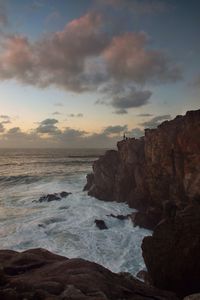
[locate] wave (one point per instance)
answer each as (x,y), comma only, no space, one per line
(83,156)
(19,179)
(64,163)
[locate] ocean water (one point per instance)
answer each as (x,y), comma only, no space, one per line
(65,227)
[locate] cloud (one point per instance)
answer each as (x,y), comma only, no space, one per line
(2,128)
(67,52)
(121,111)
(123,97)
(79,115)
(72,134)
(131,100)
(87,56)
(128,59)
(5,119)
(145,115)
(56,113)
(136,132)
(113,130)
(47,134)
(59,104)
(154,122)
(48,126)
(83,56)
(14,131)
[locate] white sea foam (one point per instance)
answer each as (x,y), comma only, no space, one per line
(67,227)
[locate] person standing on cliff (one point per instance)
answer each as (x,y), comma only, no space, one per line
(124,136)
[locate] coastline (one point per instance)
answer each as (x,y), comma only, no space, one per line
(151,175)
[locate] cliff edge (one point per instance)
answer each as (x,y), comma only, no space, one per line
(157,174)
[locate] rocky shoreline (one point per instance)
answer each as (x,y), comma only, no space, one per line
(159,175)
(38,274)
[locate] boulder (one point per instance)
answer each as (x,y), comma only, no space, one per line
(171,254)
(38,274)
(53,197)
(101,224)
(119,217)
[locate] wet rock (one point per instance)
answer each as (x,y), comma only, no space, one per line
(119,217)
(53,197)
(144,276)
(59,278)
(171,254)
(101,224)
(90,182)
(147,219)
(64,194)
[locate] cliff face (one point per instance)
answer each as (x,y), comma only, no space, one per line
(147,173)
(171,254)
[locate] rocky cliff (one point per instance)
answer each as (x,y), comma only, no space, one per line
(156,174)
(38,274)
(171,254)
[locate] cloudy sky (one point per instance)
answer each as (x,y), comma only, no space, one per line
(80,73)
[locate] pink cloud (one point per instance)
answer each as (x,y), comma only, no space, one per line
(128,59)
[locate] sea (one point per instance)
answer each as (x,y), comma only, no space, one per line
(65,227)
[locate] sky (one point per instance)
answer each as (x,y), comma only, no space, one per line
(80,73)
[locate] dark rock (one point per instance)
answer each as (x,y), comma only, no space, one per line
(144,276)
(49,198)
(105,169)
(172,253)
(64,194)
(53,197)
(101,224)
(147,219)
(90,182)
(59,278)
(119,217)
(192,297)
(147,172)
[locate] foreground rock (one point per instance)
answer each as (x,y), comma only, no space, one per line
(101,224)
(40,275)
(54,197)
(148,172)
(172,254)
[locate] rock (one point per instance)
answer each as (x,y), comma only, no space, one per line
(144,276)
(64,194)
(192,297)
(171,255)
(119,217)
(53,197)
(148,172)
(105,169)
(147,219)
(90,182)
(47,276)
(101,224)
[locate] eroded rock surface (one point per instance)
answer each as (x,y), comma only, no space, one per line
(172,256)
(40,275)
(148,172)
